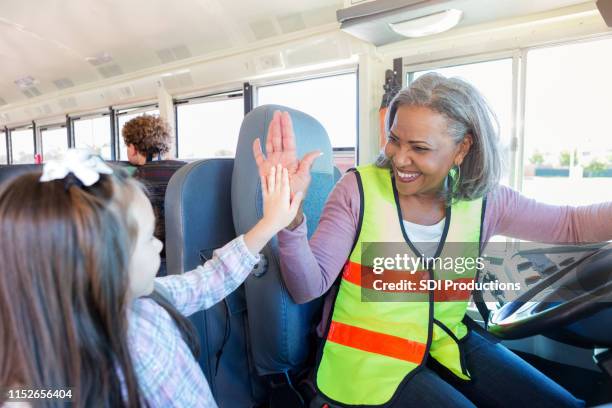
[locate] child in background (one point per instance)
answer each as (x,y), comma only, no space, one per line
(78,308)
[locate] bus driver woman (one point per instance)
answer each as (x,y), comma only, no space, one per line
(436,182)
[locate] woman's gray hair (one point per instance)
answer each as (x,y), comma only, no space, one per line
(467,112)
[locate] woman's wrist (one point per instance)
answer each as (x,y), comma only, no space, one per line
(297,221)
(258,236)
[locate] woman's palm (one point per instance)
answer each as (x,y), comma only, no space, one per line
(280,149)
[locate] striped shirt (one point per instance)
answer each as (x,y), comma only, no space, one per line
(155,176)
(168,375)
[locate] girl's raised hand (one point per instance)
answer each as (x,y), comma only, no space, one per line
(278,207)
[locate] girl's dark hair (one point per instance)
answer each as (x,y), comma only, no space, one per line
(64,279)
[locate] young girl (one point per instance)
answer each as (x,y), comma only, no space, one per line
(78,261)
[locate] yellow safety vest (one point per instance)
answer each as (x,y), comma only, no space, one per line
(373,344)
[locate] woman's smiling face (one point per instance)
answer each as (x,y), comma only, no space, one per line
(421,150)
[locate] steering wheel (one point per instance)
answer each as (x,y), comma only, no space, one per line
(578,291)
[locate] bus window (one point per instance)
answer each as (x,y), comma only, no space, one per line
(568,154)
(3,153)
(124,116)
(494,80)
(54,142)
(208,127)
(22,142)
(332,100)
(94,133)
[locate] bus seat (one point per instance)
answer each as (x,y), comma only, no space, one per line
(9,171)
(155,176)
(337,174)
(280,329)
(198,221)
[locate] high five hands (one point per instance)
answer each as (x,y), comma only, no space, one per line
(280,149)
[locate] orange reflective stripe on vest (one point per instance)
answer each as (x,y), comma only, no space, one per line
(374,342)
(364,277)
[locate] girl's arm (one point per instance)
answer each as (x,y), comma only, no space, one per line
(208,284)
(229,267)
(514,215)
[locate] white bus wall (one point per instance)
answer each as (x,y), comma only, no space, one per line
(308,53)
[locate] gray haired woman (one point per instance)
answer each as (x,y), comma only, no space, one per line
(468,121)
(437,183)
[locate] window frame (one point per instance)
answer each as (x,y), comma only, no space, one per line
(520,62)
(71,119)
(4,141)
(352,69)
(52,126)
(517,104)
(200,99)
(9,132)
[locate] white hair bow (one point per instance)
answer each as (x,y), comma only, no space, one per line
(81,162)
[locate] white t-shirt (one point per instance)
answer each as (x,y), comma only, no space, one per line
(425,237)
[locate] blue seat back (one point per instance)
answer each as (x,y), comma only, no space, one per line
(337,174)
(8,172)
(155,176)
(280,329)
(198,221)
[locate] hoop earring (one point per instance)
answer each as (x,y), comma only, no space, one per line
(456,182)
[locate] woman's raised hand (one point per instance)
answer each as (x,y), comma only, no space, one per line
(280,149)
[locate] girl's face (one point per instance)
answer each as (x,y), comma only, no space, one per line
(145,260)
(421,151)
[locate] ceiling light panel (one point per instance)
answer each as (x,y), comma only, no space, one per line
(99,59)
(63,83)
(26,82)
(428,25)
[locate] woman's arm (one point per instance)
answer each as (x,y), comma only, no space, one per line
(511,214)
(310,268)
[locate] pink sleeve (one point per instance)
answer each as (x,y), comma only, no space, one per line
(310,268)
(511,214)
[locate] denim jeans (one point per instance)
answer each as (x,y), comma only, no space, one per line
(499,379)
